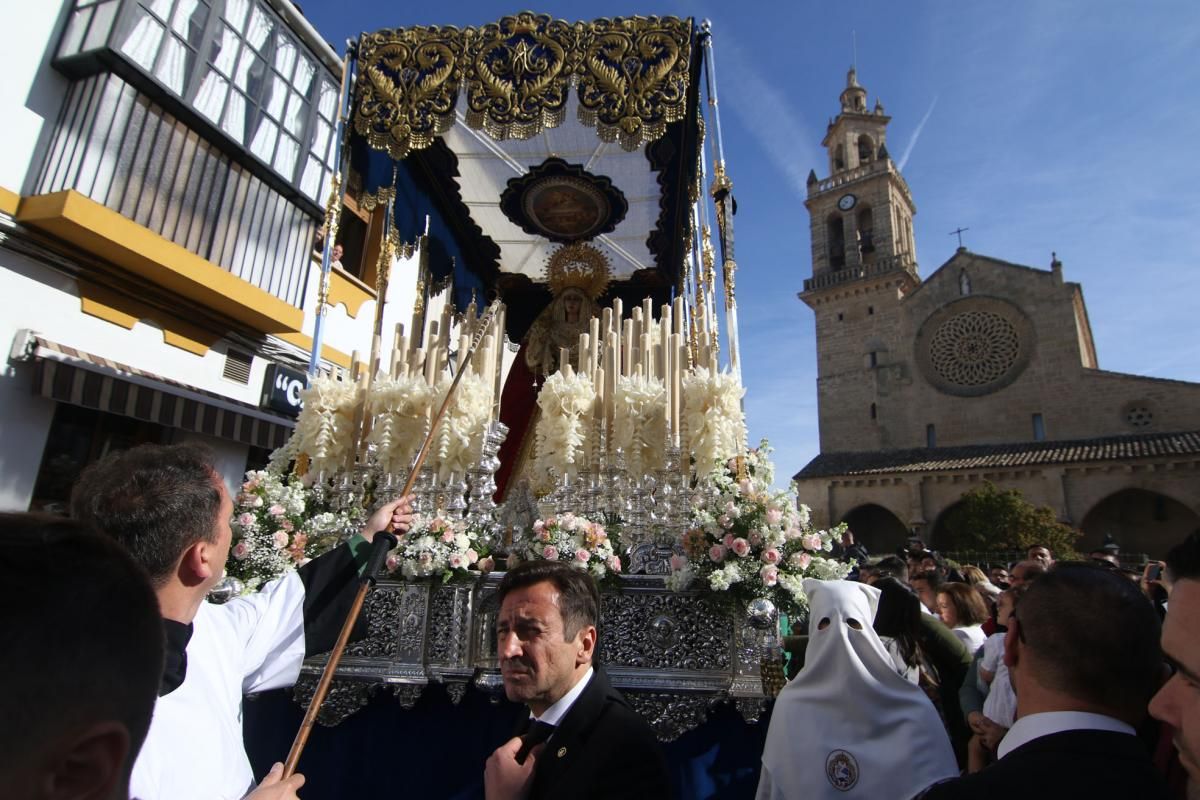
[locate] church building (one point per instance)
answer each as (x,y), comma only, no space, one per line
(984,371)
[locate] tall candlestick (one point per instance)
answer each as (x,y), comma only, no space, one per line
(647,355)
(647,309)
(626,347)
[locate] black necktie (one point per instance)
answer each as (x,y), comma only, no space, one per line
(538,732)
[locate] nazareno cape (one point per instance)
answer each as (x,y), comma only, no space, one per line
(847,726)
(194,749)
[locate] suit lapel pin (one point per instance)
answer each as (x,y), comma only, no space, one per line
(562,751)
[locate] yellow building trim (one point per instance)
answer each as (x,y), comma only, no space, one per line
(328,353)
(9,202)
(119,309)
(348,291)
(103,232)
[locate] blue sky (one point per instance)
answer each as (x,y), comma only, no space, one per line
(1040,125)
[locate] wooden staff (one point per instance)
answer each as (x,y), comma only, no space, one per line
(378,554)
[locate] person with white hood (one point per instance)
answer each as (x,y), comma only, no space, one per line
(848,725)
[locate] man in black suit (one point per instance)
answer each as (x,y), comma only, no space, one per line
(1178,702)
(1082,652)
(582,740)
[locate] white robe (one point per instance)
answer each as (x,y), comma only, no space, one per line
(194,750)
(848,726)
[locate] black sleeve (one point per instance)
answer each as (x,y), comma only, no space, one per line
(330,583)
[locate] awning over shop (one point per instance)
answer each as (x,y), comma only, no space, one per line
(72,376)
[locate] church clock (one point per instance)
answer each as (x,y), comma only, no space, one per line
(847,201)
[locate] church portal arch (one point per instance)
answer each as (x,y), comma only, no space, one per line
(876,527)
(1140,520)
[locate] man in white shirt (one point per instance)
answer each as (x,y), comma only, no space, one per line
(1178,701)
(1082,655)
(581,740)
(170,510)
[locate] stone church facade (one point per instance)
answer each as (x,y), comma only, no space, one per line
(985,370)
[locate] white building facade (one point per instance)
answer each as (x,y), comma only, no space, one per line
(165,169)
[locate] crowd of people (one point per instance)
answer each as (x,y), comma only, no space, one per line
(920,679)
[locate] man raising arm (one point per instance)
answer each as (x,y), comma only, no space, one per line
(170,510)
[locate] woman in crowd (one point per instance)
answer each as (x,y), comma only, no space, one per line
(963,611)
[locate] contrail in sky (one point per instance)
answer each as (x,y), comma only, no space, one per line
(913,141)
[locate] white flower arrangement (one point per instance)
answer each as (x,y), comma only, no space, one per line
(712,410)
(579,541)
(275,531)
(752,542)
(401,411)
(324,430)
(439,546)
(460,433)
(639,422)
(563,429)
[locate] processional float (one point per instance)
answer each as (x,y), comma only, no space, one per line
(551,177)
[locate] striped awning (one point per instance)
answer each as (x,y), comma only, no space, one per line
(72,376)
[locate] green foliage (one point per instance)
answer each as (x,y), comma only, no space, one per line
(989,518)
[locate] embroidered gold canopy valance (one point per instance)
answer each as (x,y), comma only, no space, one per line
(631,76)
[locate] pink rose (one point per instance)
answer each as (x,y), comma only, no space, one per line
(678,562)
(725,521)
(728,540)
(257,502)
(614,563)
(455,561)
(425,559)
(741,547)
(279,539)
(550,552)
(246,519)
(598,529)
(538,525)
(551,522)
(299,539)
(744,486)
(286,524)
(472,556)
(448,537)
(800,560)
(791,533)
(769,575)
(770,556)
(773,516)
(241,550)
(582,555)
(756,538)
(393,563)
(276,510)
(717,553)
(438,525)
(487,564)
(811,542)
(544,535)
(250,485)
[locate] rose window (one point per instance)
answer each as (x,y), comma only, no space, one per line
(974,348)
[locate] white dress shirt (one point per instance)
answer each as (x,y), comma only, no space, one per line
(1035,726)
(554,714)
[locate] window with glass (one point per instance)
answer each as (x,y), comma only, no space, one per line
(233,62)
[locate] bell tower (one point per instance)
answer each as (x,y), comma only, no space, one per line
(861,215)
(863,266)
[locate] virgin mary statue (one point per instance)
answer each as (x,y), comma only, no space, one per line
(576,275)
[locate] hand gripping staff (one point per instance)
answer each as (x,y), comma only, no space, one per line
(382,543)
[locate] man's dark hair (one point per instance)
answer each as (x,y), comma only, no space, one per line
(1037,545)
(1183,562)
(892,567)
(83,637)
(156,500)
(578,596)
(930,576)
(899,616)
(1094,636)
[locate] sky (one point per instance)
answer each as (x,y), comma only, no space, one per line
(1038,125)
